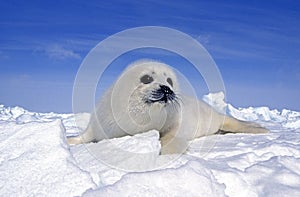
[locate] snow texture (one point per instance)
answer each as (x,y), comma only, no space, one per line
(35,159)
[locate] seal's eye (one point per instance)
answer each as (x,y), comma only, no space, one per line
(169,80)
(146,79)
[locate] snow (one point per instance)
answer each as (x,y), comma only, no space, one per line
(171,182)
(286,118)
(36,160)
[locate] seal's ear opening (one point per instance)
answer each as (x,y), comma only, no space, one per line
(146,79)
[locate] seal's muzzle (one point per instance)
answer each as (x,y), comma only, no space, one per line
(164,94)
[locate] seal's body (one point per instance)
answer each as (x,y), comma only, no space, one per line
(146,96)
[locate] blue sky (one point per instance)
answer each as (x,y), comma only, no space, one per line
(256,45)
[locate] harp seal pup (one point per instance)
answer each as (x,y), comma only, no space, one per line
(147,96)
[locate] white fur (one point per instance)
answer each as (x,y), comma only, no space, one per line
(122,111)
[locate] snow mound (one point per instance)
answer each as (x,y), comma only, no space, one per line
(26,118)
(287,118)
(129,153)
(285,175)
(35,160)
(74,124)
(170,182)
(217,100)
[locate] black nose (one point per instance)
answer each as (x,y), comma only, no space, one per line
(166,90)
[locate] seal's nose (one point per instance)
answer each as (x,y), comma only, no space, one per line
(166,90)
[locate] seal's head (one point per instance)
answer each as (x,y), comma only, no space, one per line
(155,82)
(149,92)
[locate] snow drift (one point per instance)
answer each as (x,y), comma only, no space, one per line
(36,160)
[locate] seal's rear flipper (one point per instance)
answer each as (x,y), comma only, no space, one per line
(232,125)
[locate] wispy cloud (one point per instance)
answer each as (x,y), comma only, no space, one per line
(245,42)
(57,51)
(204,39)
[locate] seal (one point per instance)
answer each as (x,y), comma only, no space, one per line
(147,96)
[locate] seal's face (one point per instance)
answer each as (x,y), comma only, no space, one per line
(149,93)
(157,83)
(161,94)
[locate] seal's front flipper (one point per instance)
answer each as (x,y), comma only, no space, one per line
(74,140)
(173,145)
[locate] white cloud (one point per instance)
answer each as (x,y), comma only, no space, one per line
(59,52)
(204,39)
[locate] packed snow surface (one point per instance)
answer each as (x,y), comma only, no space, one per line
(35,159)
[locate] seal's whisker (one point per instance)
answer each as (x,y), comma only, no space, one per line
(179,98)
(177,103)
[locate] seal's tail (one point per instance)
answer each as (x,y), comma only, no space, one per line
(232,125)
